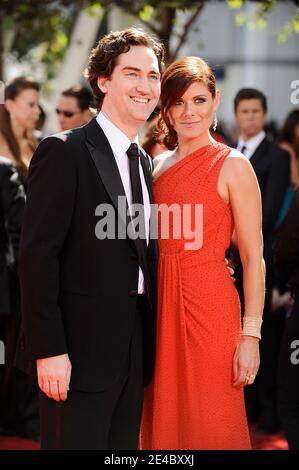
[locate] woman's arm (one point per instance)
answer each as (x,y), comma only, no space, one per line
(245,200)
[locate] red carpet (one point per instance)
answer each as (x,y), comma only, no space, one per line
(260,441)
(17,443)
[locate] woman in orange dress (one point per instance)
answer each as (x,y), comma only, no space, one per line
(204,357)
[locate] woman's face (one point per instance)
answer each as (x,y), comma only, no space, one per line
(191,116)
(24,109)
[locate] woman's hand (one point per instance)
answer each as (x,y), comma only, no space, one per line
(246,361)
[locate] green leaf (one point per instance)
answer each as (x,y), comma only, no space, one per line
(240,19)
(8,23)
(296,25)
(146,13)
(281,37)
(235,4)
(93,9)
(261,23)
(60,42)
(54,21)
(251,25)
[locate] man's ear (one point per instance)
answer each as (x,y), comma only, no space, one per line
(102,84)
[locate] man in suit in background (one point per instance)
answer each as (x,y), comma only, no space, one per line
(89,304)
(272,167)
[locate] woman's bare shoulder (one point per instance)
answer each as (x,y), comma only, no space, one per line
(236,159)
(236,169)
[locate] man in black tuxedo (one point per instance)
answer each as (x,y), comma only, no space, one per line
(272,167)
(89,301)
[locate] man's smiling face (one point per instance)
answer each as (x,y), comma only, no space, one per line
(133,90)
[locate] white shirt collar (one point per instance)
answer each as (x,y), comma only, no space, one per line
(251,144)
(118,140)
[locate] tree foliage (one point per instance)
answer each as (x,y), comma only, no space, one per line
(48,23)
(34,23)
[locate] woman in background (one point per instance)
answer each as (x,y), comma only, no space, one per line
(150,142)
(289,140)
(18,118)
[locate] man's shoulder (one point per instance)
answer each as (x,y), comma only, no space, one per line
(274,149)
(68,137)
(66,142)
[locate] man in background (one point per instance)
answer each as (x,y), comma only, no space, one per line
(272,167)
(73,109)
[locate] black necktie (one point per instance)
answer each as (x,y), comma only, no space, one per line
(243,149)
(137,197)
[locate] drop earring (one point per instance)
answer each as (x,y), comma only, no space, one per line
(215,122)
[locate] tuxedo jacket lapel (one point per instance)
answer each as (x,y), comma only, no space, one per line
(103,158)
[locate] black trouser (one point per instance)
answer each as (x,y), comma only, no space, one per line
(288,378)
(19,411)
(100,420)
(18,391)
(272,331)
(260,398)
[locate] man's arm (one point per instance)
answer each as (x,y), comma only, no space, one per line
(49,209)
(48,213)
(273,195)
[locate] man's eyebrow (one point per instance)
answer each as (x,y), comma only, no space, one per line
(136,69)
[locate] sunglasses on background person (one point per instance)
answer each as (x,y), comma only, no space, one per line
(67,114)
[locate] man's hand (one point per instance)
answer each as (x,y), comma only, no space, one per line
(54,374)
(230,269)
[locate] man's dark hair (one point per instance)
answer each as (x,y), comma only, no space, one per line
(250,94)
(82,94)
(103,58)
